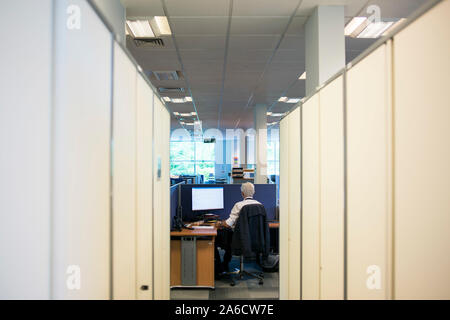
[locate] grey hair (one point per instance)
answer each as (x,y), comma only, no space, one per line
(248,189)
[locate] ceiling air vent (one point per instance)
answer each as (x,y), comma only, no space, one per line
(171,90)
(167,75)
(149,43)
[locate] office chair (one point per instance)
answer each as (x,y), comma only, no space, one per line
(250,237)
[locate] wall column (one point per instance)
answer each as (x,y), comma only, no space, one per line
(325,45)
(260,120)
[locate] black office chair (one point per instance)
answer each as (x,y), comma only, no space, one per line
(250,238)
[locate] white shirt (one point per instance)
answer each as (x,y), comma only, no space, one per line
(234,215)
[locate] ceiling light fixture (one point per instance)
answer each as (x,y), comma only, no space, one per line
(293,100)
(144,29)
(355,25)
(277,114)
(160,26)
(283,99)
(176,113)
(178,100)
(303,76)
(375,29)
(140,29)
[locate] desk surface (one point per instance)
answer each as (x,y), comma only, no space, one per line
(194,233)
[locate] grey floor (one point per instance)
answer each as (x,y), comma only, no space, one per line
(248,288)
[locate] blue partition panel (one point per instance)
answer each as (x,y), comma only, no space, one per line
(264,193)
(173,202)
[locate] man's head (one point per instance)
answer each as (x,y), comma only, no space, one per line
(247,190)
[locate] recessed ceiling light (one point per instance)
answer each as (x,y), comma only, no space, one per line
(277,114)
(189,123)
(303,76)
(283,99)
(193,113)
(140,29)
(269,113)
(160,26)
(293,100)
(176,113)
(178,100)
(167,99)
(353,26)
(375,29)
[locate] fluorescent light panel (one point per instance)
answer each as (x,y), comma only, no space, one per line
(375,29)
(178,100)
(354,25)
(140,29)
(160,26)
(276,114)
(155,27)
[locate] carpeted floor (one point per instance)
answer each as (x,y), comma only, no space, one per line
(248,288)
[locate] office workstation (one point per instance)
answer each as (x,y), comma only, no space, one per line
(192,246)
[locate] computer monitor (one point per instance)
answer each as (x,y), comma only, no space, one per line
(207,199)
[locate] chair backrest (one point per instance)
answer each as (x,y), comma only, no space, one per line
(251,233)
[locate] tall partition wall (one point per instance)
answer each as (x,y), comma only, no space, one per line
(144,190)
(81,194)
(25,145)
(161,204)
(368,177)
(422,157)
(290,206)
(81,155)
(331,133)
(311,199)
(375,172)
(124,173)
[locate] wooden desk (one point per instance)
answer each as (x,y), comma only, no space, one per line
(204,253)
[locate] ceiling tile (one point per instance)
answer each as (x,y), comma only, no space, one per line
(185,8)
(264,7)
(199,25)
(258,25)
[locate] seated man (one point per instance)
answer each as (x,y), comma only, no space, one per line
(225,227)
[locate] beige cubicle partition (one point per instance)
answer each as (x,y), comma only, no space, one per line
(25,150)
(290,206)
(81,149)
(161,201)
(311,219)
(144,200)
(375,172)
(124,176)
(284,208)
(422,157)
(332,190)
(369,165)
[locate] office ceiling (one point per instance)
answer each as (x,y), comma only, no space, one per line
(238,53)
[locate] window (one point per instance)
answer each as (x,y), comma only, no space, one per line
(273,158)
(192,158)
